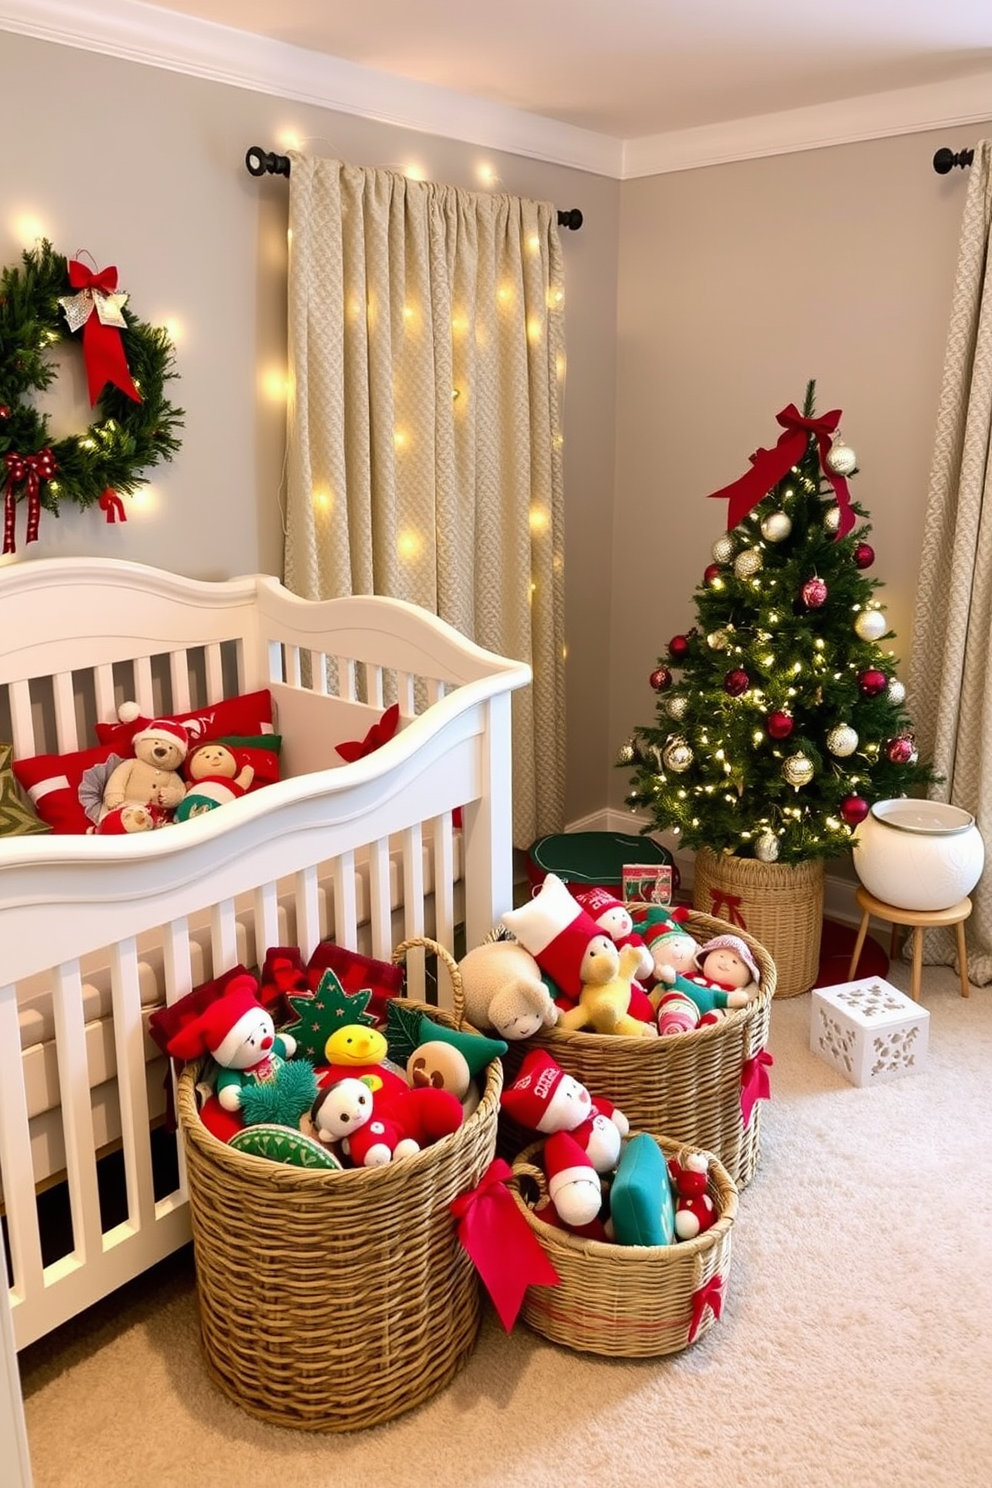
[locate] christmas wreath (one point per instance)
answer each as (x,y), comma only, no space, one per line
(45,301)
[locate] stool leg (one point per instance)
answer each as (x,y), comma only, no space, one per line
(917,961)
(862,932)
(963,959)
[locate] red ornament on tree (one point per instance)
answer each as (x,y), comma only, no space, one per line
(4,411)
(872,682)
(712,571)
(660,678)
(736,682)
(678,647)
(864,555)
(854,809)
(780,725)
(900,751)
(814,593)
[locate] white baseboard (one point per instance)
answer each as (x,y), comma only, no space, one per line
(838,898)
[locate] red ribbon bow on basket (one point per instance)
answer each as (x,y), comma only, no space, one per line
(32,469)
(755,1084)
(99,310)
(503,1247)
(709,1295)
(733,916)
(768,466)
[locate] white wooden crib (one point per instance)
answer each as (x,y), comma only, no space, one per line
(97,930)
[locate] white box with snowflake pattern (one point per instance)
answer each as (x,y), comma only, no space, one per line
(868,1030)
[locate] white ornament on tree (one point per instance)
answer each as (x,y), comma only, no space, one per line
(766,847)
(896,692)
(831,518)
(842,740)
(841,460)
(871,625)
(717,640)
(798,770)
(676,705)
(748,563)
(776,527)
(677,756)
(724,548)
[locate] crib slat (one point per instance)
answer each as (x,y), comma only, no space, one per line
(214,662)
(443,849)
(318,672)
(380,909)
(223,936)
(266,919)
(132,1091)
(345,928)
(104,694)
(412,867)
(77,1113)
(406,694)
(21,720)
(65,712)
(23,1233)
(176,960)
(144,688)
(307,911)
(373,683)
(179,681)
(346,679)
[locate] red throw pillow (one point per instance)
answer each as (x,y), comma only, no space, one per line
(261,751)
(66,788)
(251,713)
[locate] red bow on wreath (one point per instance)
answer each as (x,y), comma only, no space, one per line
(769,466)
(103,349)
(32,469)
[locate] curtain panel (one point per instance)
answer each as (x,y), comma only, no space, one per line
(426,367)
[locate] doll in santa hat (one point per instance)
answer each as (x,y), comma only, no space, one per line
(545,1099)
(613,916)
(238,1032)
(575,1192)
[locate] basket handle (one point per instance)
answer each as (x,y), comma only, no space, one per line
(432,946)
(530,1173)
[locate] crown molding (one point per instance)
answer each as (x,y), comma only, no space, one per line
(179,43)
(947,105)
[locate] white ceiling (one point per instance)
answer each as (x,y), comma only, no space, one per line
(628,69)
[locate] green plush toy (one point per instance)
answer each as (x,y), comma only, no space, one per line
(642,1206)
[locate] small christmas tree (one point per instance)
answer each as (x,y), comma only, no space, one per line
(786,722)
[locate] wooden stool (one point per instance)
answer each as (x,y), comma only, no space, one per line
(921,919)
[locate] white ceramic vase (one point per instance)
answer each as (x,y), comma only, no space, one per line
(918,854)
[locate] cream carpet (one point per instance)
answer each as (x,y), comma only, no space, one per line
(855,1348)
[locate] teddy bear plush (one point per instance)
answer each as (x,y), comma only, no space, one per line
(214,777)
(151,777)
(604,1002)
(504,991)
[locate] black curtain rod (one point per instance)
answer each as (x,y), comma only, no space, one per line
(266,163)
(945,160)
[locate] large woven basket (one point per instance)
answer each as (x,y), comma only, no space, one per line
(331,1301)
(628,1301)
(780,904)
(687,1086)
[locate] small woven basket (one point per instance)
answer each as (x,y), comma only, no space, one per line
(332,1301)
(628,1301)
(687,1085)
(780,904)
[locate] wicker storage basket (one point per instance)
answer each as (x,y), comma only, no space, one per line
(687,1086)
(331,1301)
(628,1301)
(780,904)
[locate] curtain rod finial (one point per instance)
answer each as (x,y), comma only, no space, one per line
(945,160)
(266,162)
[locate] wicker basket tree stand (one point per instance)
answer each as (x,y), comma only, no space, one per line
(331,1301)
(780,904)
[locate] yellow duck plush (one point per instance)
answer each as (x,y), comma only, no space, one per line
(605,997)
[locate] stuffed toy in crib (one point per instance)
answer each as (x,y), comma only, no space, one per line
(151,777)
(215,776)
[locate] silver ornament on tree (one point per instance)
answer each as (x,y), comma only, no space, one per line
(626,753)
(842,740)
(748,563)
(676,704)
(896,692)
(677,756)
(766,847)
(717,640)
(841,460)
(776,527)
(724,548)
(797,770)
(831,518)
(870,625)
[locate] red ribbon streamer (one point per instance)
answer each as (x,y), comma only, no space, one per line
(380,733)
(755,1084)
(503,1247)
(720,897)
(103,349)
(32,469)
(710,1295)
(769,466)
(112,504)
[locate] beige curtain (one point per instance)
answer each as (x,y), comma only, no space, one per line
(950,688)
(426,359)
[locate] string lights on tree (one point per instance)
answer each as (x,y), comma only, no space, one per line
(779,719)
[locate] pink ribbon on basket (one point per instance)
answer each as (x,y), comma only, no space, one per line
(720,897)
(709,1295)
(503,1247)
(755,1084)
